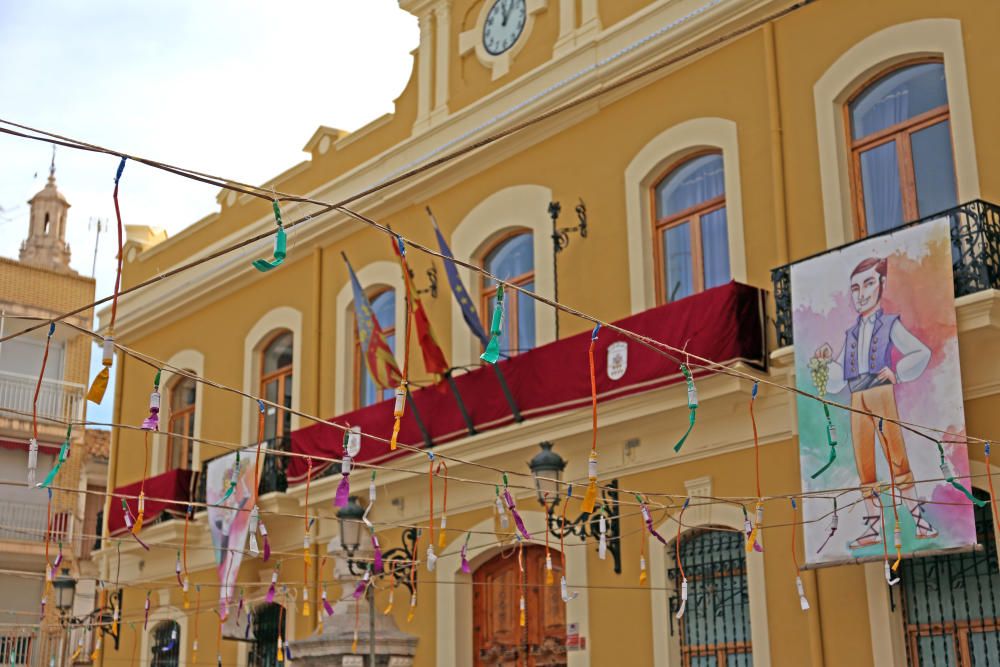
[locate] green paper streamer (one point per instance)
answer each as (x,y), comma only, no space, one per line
(63,455)
(680,443)
(830,441)
(492,353)
(946,469)
(280,242)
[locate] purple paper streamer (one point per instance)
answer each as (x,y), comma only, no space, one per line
(141,543)
(327,606)
(466,568)
(152,422)
(267,548)
(270,593)
(343,492)
(517,517)
(246,633)
(359,590)
(649,525)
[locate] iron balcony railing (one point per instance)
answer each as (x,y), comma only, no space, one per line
(23,522)
(56,399)
(975,254)
(272,470)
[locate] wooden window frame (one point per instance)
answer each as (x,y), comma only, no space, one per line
(357,347)
(283,375)
(693,215)
(900,133)
(488,290)
(185,417)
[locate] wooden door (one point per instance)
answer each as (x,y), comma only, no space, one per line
(499,639)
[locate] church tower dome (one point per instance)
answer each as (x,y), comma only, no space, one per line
(46,243)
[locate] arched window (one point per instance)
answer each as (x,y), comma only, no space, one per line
(166,644)
(902,165)
(366,392)
(715,628)
(268,625)
(498,635)
(276,385)
(182,407)
(691,243)
(952,602)
(512,258)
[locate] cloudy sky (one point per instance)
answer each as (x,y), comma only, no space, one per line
(224,87)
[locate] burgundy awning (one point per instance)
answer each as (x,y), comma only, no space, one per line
(724,324)
(160,489)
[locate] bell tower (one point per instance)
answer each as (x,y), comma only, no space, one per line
(46,243)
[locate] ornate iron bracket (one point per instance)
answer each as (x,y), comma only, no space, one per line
(432,282)
(587,524)
(560,235)
(397,562)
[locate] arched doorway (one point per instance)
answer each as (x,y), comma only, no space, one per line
(268,625)
(498,638)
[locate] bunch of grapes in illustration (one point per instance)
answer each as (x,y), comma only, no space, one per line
(819,370)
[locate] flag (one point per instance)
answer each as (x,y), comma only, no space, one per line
(378,357)
(434,359)
(469,313)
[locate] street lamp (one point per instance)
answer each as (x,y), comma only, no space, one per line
(546,469)
(349,518)
(65,589)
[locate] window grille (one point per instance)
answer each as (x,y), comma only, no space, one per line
(166,646)
(715,628)
(268,623)
(952,603)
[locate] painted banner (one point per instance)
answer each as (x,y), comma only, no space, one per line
(874,327)
(226,522)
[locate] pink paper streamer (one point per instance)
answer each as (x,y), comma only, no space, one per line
(517,517)
(359,590)
(343,492)
(377,565)
(465,561)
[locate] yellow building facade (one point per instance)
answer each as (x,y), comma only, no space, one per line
(738,149)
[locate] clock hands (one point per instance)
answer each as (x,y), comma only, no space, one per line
(506,12)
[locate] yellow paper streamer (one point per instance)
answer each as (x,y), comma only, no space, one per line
(99,386)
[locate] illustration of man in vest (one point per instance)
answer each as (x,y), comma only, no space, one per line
(865,365)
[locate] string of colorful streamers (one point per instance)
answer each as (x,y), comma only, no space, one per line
(831,441)
(185,582)
(692,398)
(523,620)
(152,422)
(255,522)
(549,576)
(803,602)
(197,613)
(563,586)
(756,439)
(352,445)
(468,570)
(280,242)
(145,607)
(326,603)
(492,352)
(648,519)
(680,565)
(513,509)
(590,497)
(876,494)
(989,478)
(431,556)
(48,570)
(749,528)
(100,384)
(444,503)
(306,545)
(413,583)
(602,530)
(753,543)
(130,524)
(949,475)
(834,522)
(377,565)
(272,589)
(63,455)
(137,526)
(392,592)
(402,390)
(501,512)
(33,443)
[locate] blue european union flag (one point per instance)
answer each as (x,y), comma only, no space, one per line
(469,313)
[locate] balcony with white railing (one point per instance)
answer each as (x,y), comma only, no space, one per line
(56,399)
(24,522)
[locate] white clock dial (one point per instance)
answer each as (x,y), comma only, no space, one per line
(504,24)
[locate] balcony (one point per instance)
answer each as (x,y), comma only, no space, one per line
(975,252)
(56,399)
(272,470)
(20,522)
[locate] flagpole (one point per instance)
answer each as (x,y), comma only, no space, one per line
(470,427)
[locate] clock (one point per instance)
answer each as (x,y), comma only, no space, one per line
(505,22)
(501,30)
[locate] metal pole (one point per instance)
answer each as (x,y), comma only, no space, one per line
(371,626)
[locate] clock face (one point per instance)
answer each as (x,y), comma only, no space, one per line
(504,24)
